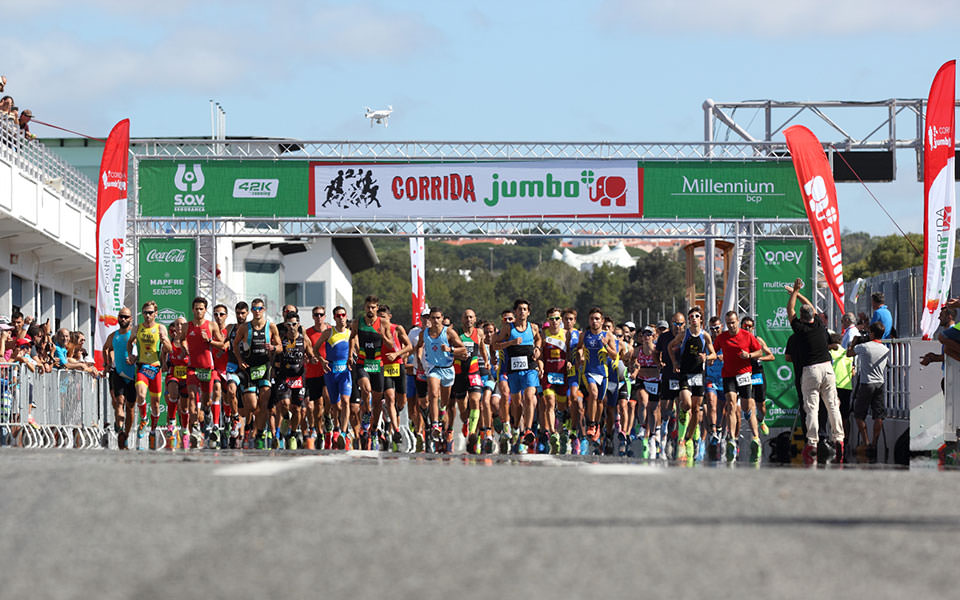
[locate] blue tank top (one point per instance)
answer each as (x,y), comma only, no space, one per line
(120,364)
(432,352)
(520,357)
(596,352)
(338,350)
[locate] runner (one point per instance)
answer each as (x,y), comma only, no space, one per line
(759,391)
(647,374)
(177,366)
(417,388)
(258,339)
(467,382)
(594,346)
(335,360)
(289,383)
(318,401)
(202,338)
(123,375)
(712,391)
(738,347)
(438,346)
(488,374)
(366,342)
(521,343)
(554,353)
(574,424)
(501,391)
(150,337)
(232,376)
(690,353)
(669,380)
(396,346)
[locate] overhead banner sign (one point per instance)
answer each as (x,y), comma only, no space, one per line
(779,263)
(222,188)
(625,189)
(721,190)
(168,276)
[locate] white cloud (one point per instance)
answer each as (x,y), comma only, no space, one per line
(767,18)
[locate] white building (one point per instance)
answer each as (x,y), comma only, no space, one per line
(605,255)
(47,235)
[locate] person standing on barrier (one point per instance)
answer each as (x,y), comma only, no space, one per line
(204,336)
(150,336)
(817,379)
(872,357)
(123,375)
(881,314)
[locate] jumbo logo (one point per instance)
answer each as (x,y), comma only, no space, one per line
(608,188)
(116,247)
(188,181)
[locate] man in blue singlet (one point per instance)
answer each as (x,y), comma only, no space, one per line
(438,346)
(521,344)
(123,375)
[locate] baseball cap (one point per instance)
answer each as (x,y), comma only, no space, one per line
(5,323)
(648,329)
(662,325)
(630,325)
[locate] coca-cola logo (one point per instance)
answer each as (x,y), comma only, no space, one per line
(174,255)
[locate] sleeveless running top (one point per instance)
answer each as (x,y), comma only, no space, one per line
(472,342)
(690,349)
(371,342)
(177,362)
(338,350)
(201,357)
(221,357)
(555,352)
(432,352)
(148,344)
(257,348)
(596,352)
(520,357)
(292,356)
(315,369)
(120,365)
(647,361)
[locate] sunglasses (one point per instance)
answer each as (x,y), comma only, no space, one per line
(256,308)
(292,323)
(319,314)
(646,333)
(338,315)
(220,314)
(149,312)
(678,323)
(554,318)
(508,320)
(124,318)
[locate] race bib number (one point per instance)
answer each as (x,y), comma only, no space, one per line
(295,383)
(674,385)
(338,367)
(149,370)
(474,380)
(555,378)
(391,370)
(757,379)
(203,374)
(371,366)
(259,372)
(695,380)
(595,378)
(518,363)
(652,387)
(180,371)
(745,379)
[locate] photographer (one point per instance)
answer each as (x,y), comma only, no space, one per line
(872,357)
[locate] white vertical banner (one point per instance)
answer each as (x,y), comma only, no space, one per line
(417,270)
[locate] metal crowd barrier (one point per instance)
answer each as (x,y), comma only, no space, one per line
(897,400)
(62,409)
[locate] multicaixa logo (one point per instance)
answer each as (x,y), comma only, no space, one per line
(192,182)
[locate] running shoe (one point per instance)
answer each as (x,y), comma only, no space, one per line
(213,438)
(554,443)
(497,425)
(504,445)
(347,442)
(714,446)
(487,445)
(700,451)
(563,442)
(688,449)
(507,431)
(809,454)
(186,442)
(621,444)
(731,450)
(418,447)
(292,442)
(448,441)
(764,430)
(269,442)
(328,440)
(755,450)
(645,448)
(465,430)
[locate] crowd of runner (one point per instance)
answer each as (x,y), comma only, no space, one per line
(679,390)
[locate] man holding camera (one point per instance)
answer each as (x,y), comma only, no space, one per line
(817,379)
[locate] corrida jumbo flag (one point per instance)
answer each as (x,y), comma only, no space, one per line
(939,197)
(111,234)
(417,263)
(820,202)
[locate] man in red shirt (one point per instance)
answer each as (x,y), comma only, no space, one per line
(317,400)
(203,336)
(738,347)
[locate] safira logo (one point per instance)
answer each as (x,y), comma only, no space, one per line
(352,188)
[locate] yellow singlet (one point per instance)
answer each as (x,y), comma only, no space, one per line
(148,344)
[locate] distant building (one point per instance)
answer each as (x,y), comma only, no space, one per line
(606,255)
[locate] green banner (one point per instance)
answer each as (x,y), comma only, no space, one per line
(722,190)
(223,188)
(779,263)
(168,271)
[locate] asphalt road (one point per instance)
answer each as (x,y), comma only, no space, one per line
(107,524)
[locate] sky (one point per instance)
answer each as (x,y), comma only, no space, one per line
(565,71)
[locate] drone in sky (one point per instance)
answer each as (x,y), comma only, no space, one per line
(378,116)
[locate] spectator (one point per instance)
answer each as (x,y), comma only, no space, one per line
(872,357)
(843,371)
(817,379)
(6,104)
(3,83)
(881,314)
(24,121)
(40,348)
(7,341)
(19,330)
(949,337)
(849,325)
